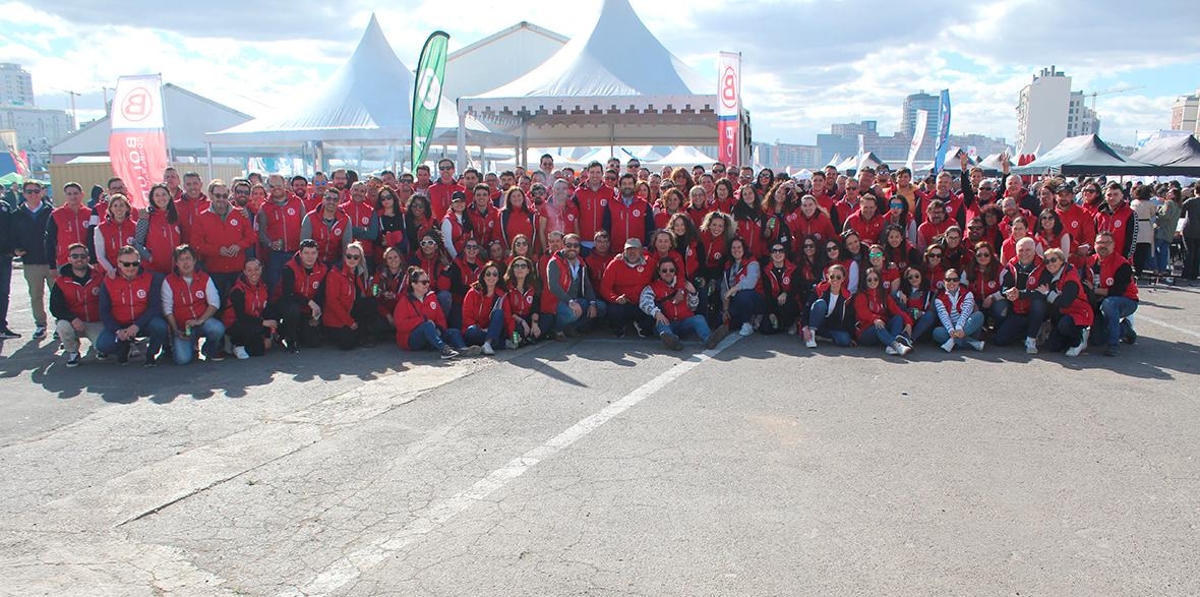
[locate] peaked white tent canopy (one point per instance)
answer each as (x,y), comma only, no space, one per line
(534,155)
(368,101)
(603,154)
(614,84)
(684,155)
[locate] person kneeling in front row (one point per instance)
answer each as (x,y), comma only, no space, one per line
(421,319)
(75,302)
(189,302)
(960,322)
(131,308)
(672,301)
(250,319)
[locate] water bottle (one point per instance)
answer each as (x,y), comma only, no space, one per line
(187,331)
(516,339)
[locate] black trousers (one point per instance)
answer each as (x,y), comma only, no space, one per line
(297,327)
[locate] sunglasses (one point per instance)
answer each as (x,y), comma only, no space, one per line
(1054,260)
(78,255)
(951,279)
(353,257)
(778,249)
(667,271)
(913,277)
(836,277)
(875,280)
(935,255)
(129,263)
(472,247)
(428,243)
(491,274)
(980,255)
(873,254)
(810,247)
(830,249)
(31,191)
(974,227)
(520,266)
(520,244)
(425,281)
(444,168)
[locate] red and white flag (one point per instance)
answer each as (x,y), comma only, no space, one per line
(138,144)
(729,109)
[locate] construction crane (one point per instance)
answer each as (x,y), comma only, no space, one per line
(1111,91)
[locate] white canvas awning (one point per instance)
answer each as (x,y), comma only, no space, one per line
(685,155)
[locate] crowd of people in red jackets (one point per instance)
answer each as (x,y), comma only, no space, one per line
(471,263)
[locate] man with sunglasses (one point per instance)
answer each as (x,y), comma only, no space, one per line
(574,297)
(671,301)
(441,190)
(75,302)
(1115,292)
(131,308)
(27,233)
(222,236)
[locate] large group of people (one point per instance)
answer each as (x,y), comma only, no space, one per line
(474,263)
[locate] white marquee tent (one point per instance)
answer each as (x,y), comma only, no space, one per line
(366,102)
(684,155)
(612,85)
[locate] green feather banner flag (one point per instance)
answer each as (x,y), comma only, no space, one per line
(427,93)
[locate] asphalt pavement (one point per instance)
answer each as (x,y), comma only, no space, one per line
(608,467)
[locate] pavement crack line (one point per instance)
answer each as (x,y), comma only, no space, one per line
(349,568)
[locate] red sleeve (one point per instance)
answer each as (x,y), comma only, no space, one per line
(506,306)
(470,310)
(607,281)
(334,312)
(827,231)
(200,240)
(436,313)
(249,237)
(866,318)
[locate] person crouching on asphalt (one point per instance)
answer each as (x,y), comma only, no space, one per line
(131,308)
(830,313)
(1070,313)
(880,319)
(250,318)
(1116,292)
(75,302)
(189,302)
(671,301)
(741,288)
(624,278)
(960,322)
(421,319)
(484,311)
(349,314)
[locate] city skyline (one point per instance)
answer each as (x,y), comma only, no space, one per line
(981,55)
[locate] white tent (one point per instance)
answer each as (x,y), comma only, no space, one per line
(614,84)
(602,155)
(534,156)
(366,102)
(851,163)
(685,155)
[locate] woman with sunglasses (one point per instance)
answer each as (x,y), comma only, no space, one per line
(983,280)
(421,320)
(957,254)
(741,288)
(388,284)
(890,273)
(392,223)
(934,266)
(1051,233)
(523,298)
(781,290)
(879,319)
(833,254)
(897,217)
(431,256)
(764,181)
(808,268)
(916,297)
(485,311)
(1070,313)
(960,322)
(418,221)
(830,313)
(159,232)
(671,301)
(349,313)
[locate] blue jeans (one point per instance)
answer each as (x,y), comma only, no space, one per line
(683,327)
(427,335)
(276,260)
(494,334)
(884,336)
(183,350)
(566,318)
(1162,256)
(744,305)
(156,331)
(817,319)
(972,327)
(923,325)
(1017,326)
(1115,310)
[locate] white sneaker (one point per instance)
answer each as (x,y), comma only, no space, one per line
(810,338)
(976,344)
(948,345)
(1031,346)
(890,349)
(472,351)
(487,349)
(240,353)
(746,330)
(1075,351)
(903,348)
(792,330)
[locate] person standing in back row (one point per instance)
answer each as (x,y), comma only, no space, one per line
(26,234)
(1191,237)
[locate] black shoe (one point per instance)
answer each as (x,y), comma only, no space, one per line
(716,336)
(7,334)
(1113,351)
(151,360)
(72,359)
(671,341)
(1131,337)
(122,354)
(39,333)
(101,355)
(448,353)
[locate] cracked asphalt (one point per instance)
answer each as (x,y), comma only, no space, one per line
(762,469)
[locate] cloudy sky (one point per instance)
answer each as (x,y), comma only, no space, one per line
(807,64)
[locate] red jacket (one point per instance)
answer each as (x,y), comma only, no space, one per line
(928,231)
(117,236)
(508,224)
(360,214)
(283,221)
(411,312)
(439,197)
(83,300)
(868,231)
(519,304)
(867,309)
(439,275)
(819,225)
(1079,224)
(483,225)
(341,289)
(1122,224)
(190,301)
(665,300)
(635,220)
(210,232)
(384,282)
(254,300)
(477,308)
(1080,309)
(621,278)
(71,227)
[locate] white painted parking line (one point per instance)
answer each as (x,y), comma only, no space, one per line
(1139,317)
(348,568)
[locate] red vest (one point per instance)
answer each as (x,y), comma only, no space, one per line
(253,303)
(627,222)
(130,298)
(360,214)
(482,224)
(189,300)
(458,233)
(591,206)
(283,222)
(550,301)
(776,284)
(1118,223)
(83,300)
(439,196)
(511,223)
(1080,309)
(1021,306)
(306,284)
(161,240)
(664,297)
(117,236)
(328,236)
(72,228)
(210,232)
(1108,269)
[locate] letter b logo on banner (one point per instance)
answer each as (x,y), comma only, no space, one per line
(138,105)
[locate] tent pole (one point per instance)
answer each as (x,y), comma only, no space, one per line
(460,161)
(208,151)
(612,139)
(523,145)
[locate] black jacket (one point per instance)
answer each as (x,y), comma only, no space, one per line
(27,231)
